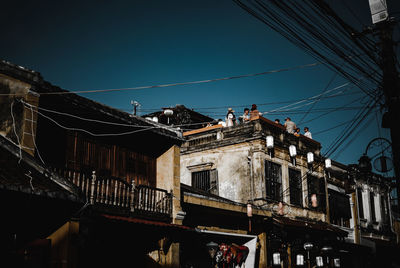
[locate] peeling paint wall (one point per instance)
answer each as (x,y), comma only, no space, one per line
(241,168)
(18,122)
(233,170)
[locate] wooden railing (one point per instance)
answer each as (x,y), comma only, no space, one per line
(114,192)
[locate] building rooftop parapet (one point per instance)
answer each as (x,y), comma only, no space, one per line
(257,128)
(20,72)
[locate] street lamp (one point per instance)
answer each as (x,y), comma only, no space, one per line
(364,163)
(308,246)
(212,250)
(327,250)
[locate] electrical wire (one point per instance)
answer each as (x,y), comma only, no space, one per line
(170,85)
(315,28)
(15,132)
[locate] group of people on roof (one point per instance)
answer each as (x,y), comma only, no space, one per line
(248,114)
(292,128)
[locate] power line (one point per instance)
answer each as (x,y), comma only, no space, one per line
(171,85)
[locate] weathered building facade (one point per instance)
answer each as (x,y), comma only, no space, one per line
(278,176)
(115,175)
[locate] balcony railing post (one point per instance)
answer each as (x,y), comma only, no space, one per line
(132,204)
(92,187)
(171,197)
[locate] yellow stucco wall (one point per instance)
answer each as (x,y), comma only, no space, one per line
(63,251)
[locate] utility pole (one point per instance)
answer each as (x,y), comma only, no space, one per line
(390,84)
(391,90)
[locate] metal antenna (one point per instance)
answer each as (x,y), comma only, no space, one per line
(135,104)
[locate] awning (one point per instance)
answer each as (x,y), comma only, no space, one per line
(308,225)
(145,222)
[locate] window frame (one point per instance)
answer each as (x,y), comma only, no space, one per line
(273,180)
(316,185)
(209,178)
(360,203)
(295,183)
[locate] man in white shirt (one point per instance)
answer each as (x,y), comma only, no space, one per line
(307,133)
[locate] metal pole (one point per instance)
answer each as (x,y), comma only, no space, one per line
(391,90)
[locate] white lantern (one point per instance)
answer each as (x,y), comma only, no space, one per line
(336,262)
(319,261)
(299,260)
(276,259)
(292,151)
(310,157)
(168,112)
(249,210)
(270,142)
(328,163)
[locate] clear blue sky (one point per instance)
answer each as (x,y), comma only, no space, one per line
(85,45)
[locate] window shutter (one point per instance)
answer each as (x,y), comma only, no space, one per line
(360,203)
(214,181)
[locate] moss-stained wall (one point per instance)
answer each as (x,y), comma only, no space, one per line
(232,165)
(241,173)
(64,248)
(168,177)
(18,121)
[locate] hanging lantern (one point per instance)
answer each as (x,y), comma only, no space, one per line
(319,261)
(310,157)
(299,260)
(292,151)
(249,210)
(276,258)
(270,142)
(328,163)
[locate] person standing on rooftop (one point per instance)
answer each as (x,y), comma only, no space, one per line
(230,118)
(254,111)
(246,115)
(307,133)
(290,125)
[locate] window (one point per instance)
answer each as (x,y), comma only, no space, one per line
(360,203)
(206,180)
(372,204)
(384,209)
(339,208)
(295,187)
(316,190)
(273,181)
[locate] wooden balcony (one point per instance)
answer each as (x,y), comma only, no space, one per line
(114,195)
